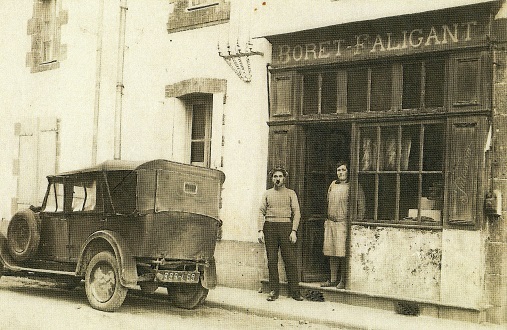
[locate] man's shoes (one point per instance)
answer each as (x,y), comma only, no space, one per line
(297,296)
(328,284)
(272,296)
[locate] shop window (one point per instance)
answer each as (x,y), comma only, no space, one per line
(320,93)
(357,90)
(401,172)
(381,82)
(200,132)
(423,84)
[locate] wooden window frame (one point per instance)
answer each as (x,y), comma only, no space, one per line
(377,171)
(206,140)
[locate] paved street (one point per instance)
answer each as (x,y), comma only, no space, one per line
(31,304)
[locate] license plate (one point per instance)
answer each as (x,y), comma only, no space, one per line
(179,276)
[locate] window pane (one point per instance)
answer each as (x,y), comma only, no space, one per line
(367,184)
(433,150)
(368,149)
(410,148)
(411,86)
(54,202)
(432,199)
(357,90)
(329,92)
(387,197)
(198,121)
(197,152)
(409,196)
(78,198)
(381,80)
(435,84)
(466,87)
(388,153)
(310,94)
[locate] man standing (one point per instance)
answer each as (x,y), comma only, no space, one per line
(278,224)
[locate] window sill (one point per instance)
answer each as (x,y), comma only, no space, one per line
(437,226)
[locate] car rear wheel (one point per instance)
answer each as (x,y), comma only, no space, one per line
(23,235)
(102,283)
(187,296)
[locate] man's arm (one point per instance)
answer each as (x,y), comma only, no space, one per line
(261,218)
(296,213)
(262,211)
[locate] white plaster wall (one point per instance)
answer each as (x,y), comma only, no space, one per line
(152,126)
(396,262)
(463,265)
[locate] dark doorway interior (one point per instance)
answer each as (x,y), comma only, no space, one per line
(325,145)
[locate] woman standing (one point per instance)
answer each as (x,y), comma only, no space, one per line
(335,226)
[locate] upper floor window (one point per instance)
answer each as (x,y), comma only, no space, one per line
(201,4)
(45,30)
(194,14)
(48,30)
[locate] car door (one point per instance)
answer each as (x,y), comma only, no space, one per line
(85,214)
(54,231)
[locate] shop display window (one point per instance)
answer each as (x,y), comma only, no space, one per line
(401,172)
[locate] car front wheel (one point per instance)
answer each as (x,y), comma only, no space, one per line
(102,283)
(187,296)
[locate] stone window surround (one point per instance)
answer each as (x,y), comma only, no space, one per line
(182,18)
(34,29)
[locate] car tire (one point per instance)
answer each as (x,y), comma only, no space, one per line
(23,235)
(102,283)
(187,296)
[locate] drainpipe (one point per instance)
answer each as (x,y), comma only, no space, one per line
(119,83)
(98,67)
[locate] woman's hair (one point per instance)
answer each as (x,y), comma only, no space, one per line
(278,169)
(341,163)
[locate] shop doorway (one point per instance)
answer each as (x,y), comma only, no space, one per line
(325,145)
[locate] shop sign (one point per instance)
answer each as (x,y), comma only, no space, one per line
(345,44)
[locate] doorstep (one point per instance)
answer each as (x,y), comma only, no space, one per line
(385,302)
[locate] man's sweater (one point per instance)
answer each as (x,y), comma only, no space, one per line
(279,205)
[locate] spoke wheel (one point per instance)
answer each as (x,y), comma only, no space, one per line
(102,283)
(23,235)
(187,296)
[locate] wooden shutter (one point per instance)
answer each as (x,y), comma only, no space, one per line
(37,158)
(467,137)
(470,87)
(282,94)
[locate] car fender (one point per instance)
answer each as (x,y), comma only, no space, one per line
(209,280)
(128,269)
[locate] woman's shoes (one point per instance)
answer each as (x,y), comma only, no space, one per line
(340,286)
(328,284)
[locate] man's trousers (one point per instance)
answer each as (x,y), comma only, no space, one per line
(276,236)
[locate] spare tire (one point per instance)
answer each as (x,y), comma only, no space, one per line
(23,235)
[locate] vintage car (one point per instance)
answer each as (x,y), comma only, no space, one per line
(121,225)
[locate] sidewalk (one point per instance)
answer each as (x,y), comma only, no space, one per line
(329,313)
